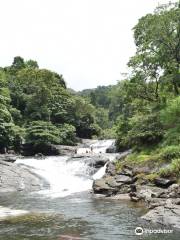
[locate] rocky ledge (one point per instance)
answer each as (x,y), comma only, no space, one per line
(162,196)
(17,178)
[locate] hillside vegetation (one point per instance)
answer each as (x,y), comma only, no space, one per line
(143,110)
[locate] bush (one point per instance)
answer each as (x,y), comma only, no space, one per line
(172,170)
(67,134)
(42,132)
(172,137)
(170,116)
(145,130)
(170,152)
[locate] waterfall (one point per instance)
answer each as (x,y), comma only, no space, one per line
(65,174)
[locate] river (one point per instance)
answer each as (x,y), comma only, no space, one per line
(66,209)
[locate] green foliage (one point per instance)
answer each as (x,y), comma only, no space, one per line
(170,116)
(172,136)
(141,111)
(35,104)
(99,96)
(67,134)
(171,170)
(42,132)
(108,133)
(170,152)
(145,130)
(39,132)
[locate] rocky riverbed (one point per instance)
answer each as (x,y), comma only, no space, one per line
(161,197)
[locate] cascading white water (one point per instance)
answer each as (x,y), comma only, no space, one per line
(96,146)
(65,175)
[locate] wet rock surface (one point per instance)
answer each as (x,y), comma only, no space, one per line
(95,160)
(8,157)
(168,214)
(162,196)
(164,183)
(16,178)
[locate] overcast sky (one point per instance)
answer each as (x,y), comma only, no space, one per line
(88,41)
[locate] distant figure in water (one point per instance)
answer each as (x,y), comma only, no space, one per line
(75,151)
(91,149)
(86,151)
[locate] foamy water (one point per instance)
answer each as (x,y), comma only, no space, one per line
(8,212)
(67,176)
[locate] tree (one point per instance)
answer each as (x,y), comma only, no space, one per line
(9,136)
(157,38)
(31,64)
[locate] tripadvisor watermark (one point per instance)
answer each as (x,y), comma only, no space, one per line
(140,231)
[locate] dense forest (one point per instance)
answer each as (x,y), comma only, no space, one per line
(142,111)
(37,109)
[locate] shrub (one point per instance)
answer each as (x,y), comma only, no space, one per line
(170,152)
(67,134)
(145,130)
(172,170)
(42,132)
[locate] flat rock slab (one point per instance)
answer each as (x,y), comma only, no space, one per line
(123,179)
(163,182)
(17,178)
(165,215)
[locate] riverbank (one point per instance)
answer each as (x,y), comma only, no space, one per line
(63,176)
(161,196)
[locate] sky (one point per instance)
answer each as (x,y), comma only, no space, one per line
(89,42)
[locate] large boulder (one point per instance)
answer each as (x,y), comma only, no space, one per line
(111,149)
(101,187)
(148,192)
(173,191)
(65,150)
(165,215)
(17,178)
(110,169)
(124,179)
(163,182)
(8,157)
(111,185)
(48,149)
(96,161)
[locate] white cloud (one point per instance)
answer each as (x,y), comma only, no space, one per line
(88,41)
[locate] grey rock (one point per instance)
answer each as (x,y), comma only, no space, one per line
(110,186)
(65,150)
(124,179)
(163,182)
(110,169)
(174,191)
(111,149)
(149,192)
(139,170)
(96,161)
(101,187)
(112,182)
(17,178)
(165,215)
(8,157)
(126,170)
